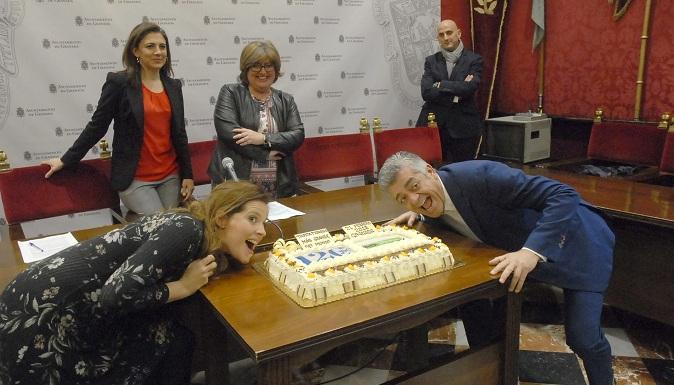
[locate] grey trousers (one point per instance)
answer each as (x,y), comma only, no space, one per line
(147,198)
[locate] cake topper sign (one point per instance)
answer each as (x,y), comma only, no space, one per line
(359,229)
(315,238)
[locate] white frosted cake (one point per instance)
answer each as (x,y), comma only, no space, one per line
(348,264)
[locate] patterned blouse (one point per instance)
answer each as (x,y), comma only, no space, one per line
(96,313)
(263,172)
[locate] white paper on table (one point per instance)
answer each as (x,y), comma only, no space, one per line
(278,211)
(41,248)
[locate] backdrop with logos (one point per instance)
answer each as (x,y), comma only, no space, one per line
(341,59)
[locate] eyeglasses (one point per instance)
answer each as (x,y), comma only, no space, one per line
(257,67)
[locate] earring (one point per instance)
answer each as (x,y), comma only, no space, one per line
(137,60)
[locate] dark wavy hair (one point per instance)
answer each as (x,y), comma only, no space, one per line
(136,35)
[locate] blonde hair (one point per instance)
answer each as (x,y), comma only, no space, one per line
(227,198)
(257,52)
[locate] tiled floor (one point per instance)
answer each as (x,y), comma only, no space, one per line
(643,349)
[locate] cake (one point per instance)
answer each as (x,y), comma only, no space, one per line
(321,267)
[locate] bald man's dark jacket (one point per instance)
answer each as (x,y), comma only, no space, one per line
(455,120)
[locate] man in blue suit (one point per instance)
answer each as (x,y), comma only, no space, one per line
(550,233)
(448,86)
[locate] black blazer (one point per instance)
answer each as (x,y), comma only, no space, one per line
(455,120)
(123,103)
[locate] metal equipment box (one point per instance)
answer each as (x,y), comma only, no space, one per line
(518,139)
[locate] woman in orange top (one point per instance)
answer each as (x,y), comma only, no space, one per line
(150,160)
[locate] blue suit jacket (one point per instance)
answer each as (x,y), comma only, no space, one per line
(508,209)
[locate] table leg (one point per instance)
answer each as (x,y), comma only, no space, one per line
(512,339)
(415,349)
(275,372)
(217,365)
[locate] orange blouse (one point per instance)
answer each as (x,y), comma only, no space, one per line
(157,156)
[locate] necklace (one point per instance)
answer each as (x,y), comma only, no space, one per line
(264,99)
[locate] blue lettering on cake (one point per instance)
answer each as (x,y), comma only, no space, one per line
(323,254)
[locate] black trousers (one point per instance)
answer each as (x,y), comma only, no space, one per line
(483,320)
(459,149)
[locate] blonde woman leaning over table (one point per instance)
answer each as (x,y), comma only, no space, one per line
(258,126)
(150,159)
(100,312)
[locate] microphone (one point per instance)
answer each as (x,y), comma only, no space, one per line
(228,164)
(277,227)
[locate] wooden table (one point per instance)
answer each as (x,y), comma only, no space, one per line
(11,263)
(280,335)
(620,198)
(642,217)
(10,258)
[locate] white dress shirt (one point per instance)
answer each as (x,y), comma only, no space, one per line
(452,217)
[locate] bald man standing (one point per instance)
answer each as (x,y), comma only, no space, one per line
(451,78)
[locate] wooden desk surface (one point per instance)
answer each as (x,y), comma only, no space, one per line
(279,334)
(11,263)
(272,327)
(642,220)
(333,209)
(270,324)
(623,198)
(10,258)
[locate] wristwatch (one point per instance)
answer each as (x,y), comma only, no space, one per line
(267,143)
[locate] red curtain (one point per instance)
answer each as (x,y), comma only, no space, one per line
(486,37)
(517,88)
(459,11)
(590,59)
(659,85)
